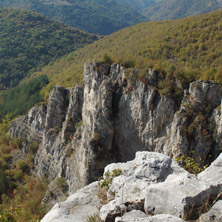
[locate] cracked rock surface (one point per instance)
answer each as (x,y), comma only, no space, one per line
(151,184)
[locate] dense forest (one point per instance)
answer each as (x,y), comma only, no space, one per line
(140,4)
(18,100)
(94,16)
(173,9)
(20,192)
(30,40)
(105,17)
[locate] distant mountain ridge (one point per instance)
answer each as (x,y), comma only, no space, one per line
(107,16)
(173,9)
(94,16)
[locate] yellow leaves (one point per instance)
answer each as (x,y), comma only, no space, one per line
(26,203)
(218,75)
(189,164)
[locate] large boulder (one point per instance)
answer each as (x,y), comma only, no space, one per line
(193,196)
(139,216)
(78,207)
(130,188)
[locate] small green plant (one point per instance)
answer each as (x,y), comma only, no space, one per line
(189,164)
(131,75)
(94,218)
(22,165)
(107,59)
(7,216)
(129,63)
(77,125)
(57,129)
(33,147)
(61,183)
(107,181)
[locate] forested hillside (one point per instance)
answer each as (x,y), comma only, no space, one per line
(30,40)
(21,193)
(140,4)
(185,49)
(94,16)
(107,16)
(173,9)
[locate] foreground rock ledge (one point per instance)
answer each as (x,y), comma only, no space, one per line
(151,183)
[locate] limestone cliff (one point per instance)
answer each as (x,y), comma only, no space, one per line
(110,118)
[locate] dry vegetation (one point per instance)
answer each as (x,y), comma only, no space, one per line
(185,49)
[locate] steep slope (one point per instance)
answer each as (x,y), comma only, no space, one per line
(172,9)
(30,40)
(94,16)
(82,129)
(185,49)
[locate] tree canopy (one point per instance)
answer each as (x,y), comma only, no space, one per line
(30,41)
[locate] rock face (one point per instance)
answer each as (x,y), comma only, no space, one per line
(110,118)
(77,207)
(151,188)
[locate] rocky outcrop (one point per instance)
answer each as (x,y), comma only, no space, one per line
(151,188)
(139,216)
(110,118)
(78,207)
(130,188)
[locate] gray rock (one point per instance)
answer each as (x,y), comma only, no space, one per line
(64,111)
(139,216)
(78,207)
(217,118)
(30,126)
(144,118)
(214,214)
(130,188)
(201,91)
(170,196)
(193,196)
(213,174)
(182,137)
(165,218)
(57,107)
(134,215)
